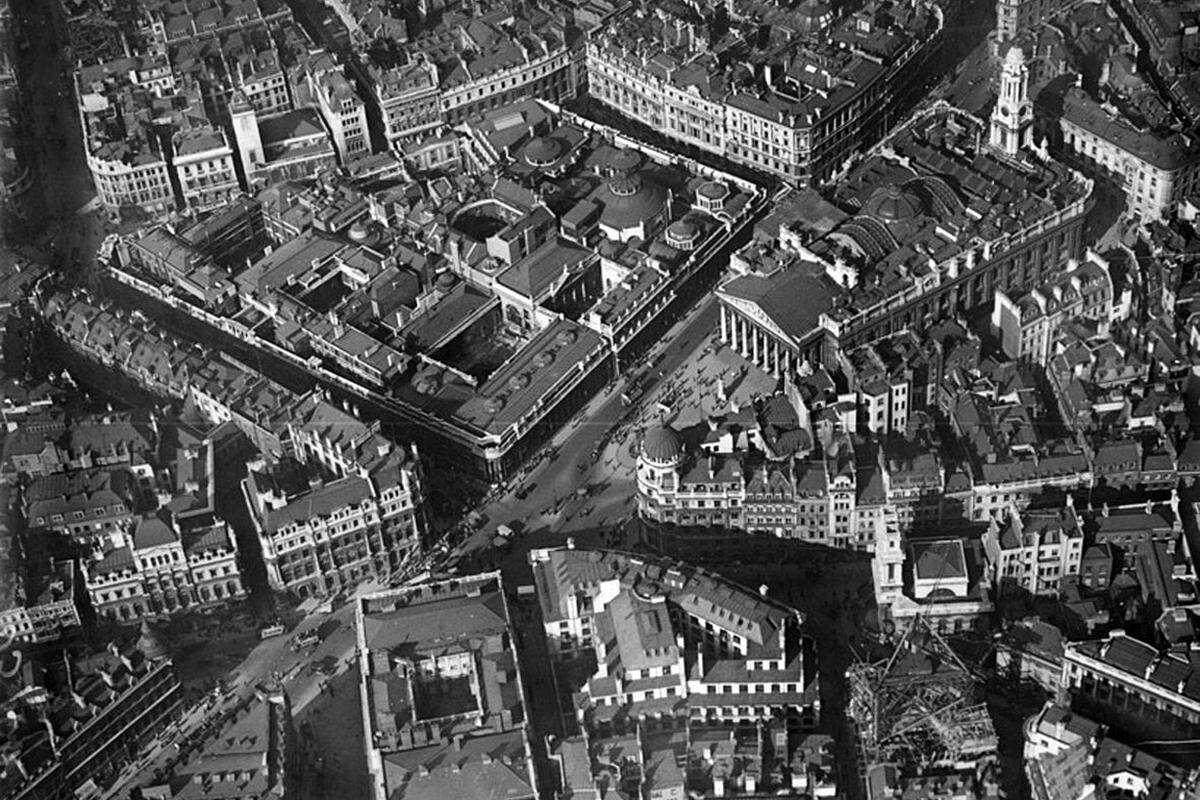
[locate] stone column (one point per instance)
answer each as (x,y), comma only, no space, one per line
(724,324)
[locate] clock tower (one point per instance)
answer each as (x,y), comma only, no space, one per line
(1012,118)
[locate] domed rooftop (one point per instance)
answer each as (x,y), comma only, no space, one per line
(542,151)
(625,186)
(1015,56)
(625,161)
(713,190)
(445,281)
(662,444)
(630,201)
(894,204)
(681,229)
(814,14)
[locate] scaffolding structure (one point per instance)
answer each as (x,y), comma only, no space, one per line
(917,709)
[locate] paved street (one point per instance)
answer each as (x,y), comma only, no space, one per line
(333,759)
(971,88)
(61,168)
(581,486)
(557,479)
(835,592)
(306,675)
(688,397)
(8,592)
(549,482)
(309,687)
(967,59)
(321,681)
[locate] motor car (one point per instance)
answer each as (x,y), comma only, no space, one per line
(269,631)
(306,639)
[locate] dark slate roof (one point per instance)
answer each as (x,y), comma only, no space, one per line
(661,443)
(114,561)
(793,299)
(152,532)
(941,559)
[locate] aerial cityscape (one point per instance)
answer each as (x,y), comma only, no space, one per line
(599,399)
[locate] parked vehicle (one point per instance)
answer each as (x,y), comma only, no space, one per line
(306,639)
(269,631)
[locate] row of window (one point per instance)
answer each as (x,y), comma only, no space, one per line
(215,572)
(523,77)
(162,559)
(747,688)
(131,183)
(222,166)
(99,511)
(634,697)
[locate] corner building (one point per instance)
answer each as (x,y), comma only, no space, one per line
(675,646)
(443,701)
(932,223)
(798,109)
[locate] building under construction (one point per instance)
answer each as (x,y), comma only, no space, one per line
(919,719)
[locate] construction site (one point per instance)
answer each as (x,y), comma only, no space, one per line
(920,721)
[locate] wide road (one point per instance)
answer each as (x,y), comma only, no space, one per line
(305,674)
(554,481)
(60,166)
(558,478)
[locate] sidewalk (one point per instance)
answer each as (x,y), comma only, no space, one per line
(536,472)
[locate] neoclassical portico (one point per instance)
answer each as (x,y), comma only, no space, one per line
(758,341)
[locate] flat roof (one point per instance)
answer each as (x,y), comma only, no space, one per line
(292,258)
(299,124)
(431,328)
(1170,152)
(529,375)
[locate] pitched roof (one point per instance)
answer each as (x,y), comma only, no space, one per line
(431,624)
(944,559)
(114,561)
(209,539)
(319,502)
(793,299)
(477,770)
(152,532)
